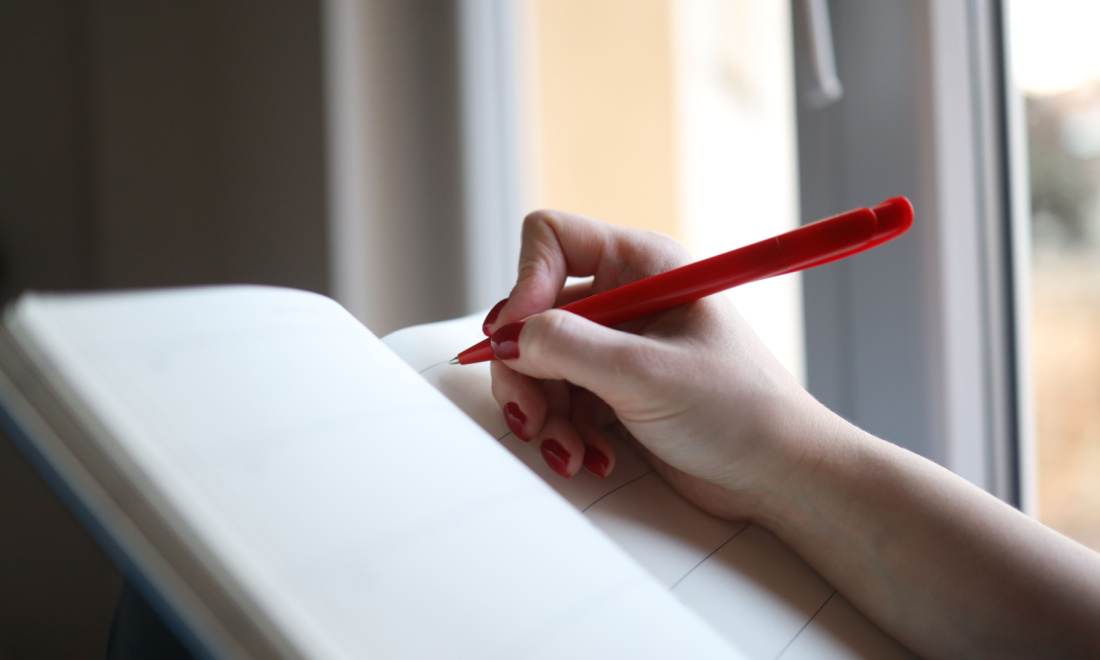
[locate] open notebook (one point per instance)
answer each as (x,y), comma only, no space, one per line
(283,485)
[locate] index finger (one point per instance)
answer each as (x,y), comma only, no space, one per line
(557,245)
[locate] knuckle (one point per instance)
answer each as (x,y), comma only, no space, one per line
(649,253)
(677,253)
(536,224)
(536,217)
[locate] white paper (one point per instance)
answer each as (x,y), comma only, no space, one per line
(342,499)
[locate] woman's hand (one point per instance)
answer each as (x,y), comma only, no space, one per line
(711,407)
(938,563)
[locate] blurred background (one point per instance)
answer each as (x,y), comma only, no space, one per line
(1056,59)
(385,152)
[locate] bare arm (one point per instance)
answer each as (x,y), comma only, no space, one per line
(943,566)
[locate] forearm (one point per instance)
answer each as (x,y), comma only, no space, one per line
(945,567)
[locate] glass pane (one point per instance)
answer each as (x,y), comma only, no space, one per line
(1056,61)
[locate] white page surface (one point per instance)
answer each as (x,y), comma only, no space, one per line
(745,582)
(337,495)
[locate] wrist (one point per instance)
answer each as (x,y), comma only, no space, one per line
(810,453)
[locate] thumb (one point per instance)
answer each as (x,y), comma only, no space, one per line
(557,345)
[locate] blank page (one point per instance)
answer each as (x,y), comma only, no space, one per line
(345,508)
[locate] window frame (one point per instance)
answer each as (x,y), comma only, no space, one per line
(923,342)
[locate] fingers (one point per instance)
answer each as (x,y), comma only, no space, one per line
(564,426)
(560,446)
(566,371)
(554,246)
(558,245)
(590,417)
(557,345)
(568,444)
(521,399)
(573,293)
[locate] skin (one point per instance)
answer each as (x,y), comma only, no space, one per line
(944,567)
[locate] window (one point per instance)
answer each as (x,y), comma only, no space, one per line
(1056,63)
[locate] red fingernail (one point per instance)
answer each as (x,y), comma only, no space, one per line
(505,342)
(516,419)
(491,317)
(556,457)
(596,462)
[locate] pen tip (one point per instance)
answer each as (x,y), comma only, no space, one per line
(453,361)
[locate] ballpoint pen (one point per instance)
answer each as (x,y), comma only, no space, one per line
(809,246)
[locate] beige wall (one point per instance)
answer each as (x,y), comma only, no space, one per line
(606,112)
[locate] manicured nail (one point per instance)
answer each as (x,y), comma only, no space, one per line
(596,462)
(505,342)
(516,419)
(556,457)
(491,318)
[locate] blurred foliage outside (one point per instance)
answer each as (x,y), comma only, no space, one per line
(1064,159)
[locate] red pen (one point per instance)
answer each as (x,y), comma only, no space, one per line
(806,247)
